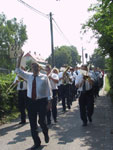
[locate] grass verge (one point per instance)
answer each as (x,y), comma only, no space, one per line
(107,85)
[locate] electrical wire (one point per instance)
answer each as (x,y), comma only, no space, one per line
(61,33)
(34,9)
(47,16)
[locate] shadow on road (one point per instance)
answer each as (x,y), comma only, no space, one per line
(5,130)
(20,136)
(70,128)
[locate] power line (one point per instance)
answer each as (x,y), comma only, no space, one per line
(62,32)
(34,9)
(47,16)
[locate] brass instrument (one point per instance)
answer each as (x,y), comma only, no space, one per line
(65,71)
(66,78)
(85,74)
(13,85)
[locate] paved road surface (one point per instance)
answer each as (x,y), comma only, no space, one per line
(68,133)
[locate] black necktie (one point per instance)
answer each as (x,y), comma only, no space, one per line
(21,84)
(34,88)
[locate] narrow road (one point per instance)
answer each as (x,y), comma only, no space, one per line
(68,133)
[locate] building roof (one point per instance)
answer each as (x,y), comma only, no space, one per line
(35,56)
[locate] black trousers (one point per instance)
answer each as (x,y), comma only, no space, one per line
(22,98)
(86,103)
(35,107)
(54,107)
(66,96)
(60,93)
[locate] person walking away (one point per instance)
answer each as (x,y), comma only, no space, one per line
(86,100)
(53,77)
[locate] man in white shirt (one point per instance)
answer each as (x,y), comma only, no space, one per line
(39,95)
(22,98)
(60,85)
(53,77)
(86,100)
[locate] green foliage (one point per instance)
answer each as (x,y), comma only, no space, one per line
(101,24)
(12,35)
(107,84)
(8,98)
(97,59)
(65,55)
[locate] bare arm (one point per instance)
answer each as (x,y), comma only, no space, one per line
(19,60)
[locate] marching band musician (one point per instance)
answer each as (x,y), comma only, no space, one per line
(66,89)
(22,96)
(53,77)
(60,84)
(86,100)
(73,89)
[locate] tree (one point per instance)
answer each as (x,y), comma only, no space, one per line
(101,24)
(65,55)
(12,35)
(97,59)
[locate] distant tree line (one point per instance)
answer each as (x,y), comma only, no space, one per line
(65,55)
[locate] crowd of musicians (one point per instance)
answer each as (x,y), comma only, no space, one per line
(40,93)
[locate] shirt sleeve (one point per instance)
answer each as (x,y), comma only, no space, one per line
(50,95)
(16,79)
(22,73)
(55,76)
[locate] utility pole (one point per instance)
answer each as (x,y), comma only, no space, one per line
(82,56)
(52,44)
(86,56)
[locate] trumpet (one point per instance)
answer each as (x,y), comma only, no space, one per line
(12,86)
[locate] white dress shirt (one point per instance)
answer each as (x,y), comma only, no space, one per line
(60,75)
(18,84)
(43,87)
(53,84)
(79,80)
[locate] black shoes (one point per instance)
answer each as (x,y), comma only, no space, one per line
(69,107)
(22,122)
(90,119)
(46,136)
(55,121)
(49,123)
(84,124)
(35,147)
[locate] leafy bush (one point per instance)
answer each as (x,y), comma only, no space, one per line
(8,97)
